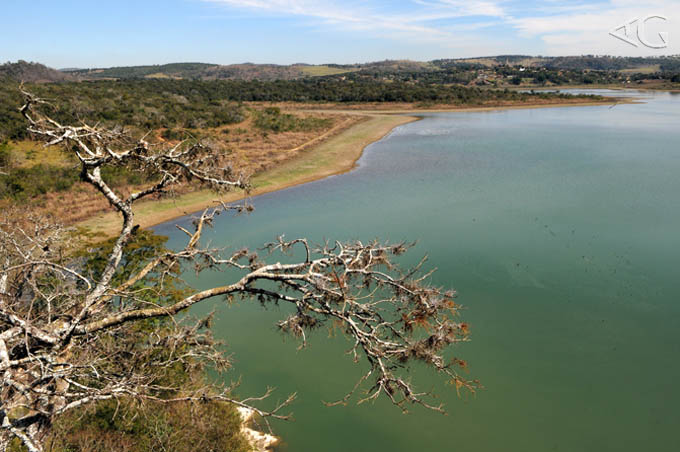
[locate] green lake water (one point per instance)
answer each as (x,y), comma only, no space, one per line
(559,228)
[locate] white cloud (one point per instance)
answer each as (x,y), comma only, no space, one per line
(462,8)
(417,25)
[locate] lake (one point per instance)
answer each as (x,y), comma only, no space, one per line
(560,230)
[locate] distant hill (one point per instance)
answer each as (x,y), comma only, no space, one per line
(250,71)
(245,71)
(175,70)
(23,71)
(199,71)
(268,72)
(388,69)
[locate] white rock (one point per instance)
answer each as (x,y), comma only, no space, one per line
(260,442)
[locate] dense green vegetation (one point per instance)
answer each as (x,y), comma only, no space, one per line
(22,183)
(542,76)
(26,182)
(143,104)
(12,125)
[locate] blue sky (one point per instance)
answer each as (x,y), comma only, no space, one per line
(113,33)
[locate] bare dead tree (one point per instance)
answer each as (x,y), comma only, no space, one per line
(63,330)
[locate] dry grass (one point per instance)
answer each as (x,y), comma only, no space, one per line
(319,71)
(26,154)
(248,149)
(642,69)
(162,75)
(253,151)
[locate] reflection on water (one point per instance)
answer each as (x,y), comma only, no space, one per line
(558,227)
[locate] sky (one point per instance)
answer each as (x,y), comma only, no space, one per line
(101,33)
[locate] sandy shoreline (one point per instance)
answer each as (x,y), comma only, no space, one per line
(332,155)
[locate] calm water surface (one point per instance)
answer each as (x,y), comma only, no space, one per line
(560,229)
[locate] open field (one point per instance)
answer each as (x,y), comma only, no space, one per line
(27,154)
(320,71)
(642,69)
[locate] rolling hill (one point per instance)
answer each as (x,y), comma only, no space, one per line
(23,71)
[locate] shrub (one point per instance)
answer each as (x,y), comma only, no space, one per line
(272,120)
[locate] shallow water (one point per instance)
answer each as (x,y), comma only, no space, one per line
(560,229)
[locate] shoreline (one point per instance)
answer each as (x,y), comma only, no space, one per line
(335,155)
(419,112)
(669,89)
(327,155)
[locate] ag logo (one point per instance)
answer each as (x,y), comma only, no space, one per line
(625,33)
